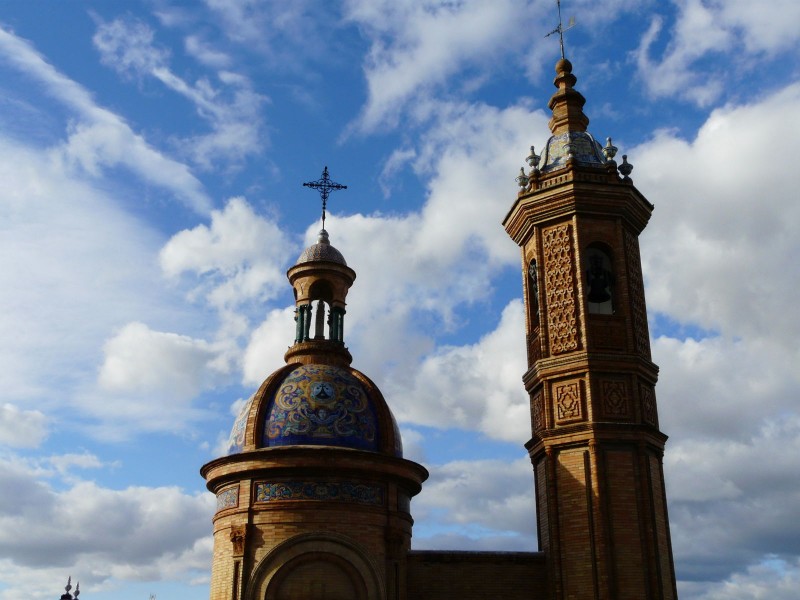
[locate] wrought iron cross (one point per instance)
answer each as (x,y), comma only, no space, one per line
(324,186)
(561,29)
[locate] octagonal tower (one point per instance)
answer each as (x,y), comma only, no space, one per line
(313,498)
(596,447)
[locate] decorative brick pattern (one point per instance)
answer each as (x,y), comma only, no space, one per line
(649,413)
(537,411)
(562,315)
(606,333)
(568,401)
(534,347)
(228,498)
(640,331)
(283,491)
(614,398)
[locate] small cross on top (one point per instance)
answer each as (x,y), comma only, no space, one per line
(324,186)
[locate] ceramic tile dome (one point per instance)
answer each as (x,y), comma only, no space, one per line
(318,405)
(321,404)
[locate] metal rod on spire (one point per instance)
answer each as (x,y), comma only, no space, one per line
(561,29)
(324,186)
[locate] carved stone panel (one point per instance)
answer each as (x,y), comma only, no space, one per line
(614,399)
(237,537)
(568,401)
(560,291)
(641,334)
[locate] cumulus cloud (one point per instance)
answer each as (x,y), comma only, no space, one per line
(267,345)
(477,504)
(21,428)
(719,253)
(136,533)
(704,29)
(240,255)
(775,579)
(88,268)
(139,360)
(719,258)
(475,387)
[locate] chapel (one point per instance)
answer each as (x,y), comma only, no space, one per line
(314,494)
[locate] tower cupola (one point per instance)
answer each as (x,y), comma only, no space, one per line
(320,279)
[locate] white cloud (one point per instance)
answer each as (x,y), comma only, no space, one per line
(416,47)
(760,30)
(286,35)
(487,498)
(240,255)
(477,387)
(721,250)
(719,254)
(127,46)
(233,110)
(713,28)
(22,428)
(206,53)
(106,535)
(267,345)
(88,267)
(102,138)
(773,579)
(139,360)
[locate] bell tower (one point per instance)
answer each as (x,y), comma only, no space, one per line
(596,447)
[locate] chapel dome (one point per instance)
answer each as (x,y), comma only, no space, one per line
(317,405)
(321,251)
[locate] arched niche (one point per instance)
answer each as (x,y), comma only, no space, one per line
(599,279)
(316,566)
(317,576)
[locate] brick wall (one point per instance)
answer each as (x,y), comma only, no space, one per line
(450,575)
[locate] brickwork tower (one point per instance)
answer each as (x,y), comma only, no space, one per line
(313,498)
(596,447)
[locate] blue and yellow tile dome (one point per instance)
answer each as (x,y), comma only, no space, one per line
(317,405)
(321,405)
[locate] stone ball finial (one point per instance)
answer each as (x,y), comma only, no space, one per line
(563,66)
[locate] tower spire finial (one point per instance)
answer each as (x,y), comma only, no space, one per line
(561,29)
(325,186)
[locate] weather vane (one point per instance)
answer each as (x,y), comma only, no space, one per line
(324,186)
(561,29)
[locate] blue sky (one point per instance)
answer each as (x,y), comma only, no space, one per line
(151,161)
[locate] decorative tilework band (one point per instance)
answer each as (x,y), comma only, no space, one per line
(356,493)
(228,498)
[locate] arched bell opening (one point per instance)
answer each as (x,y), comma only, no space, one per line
(600,279)
(533,293)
